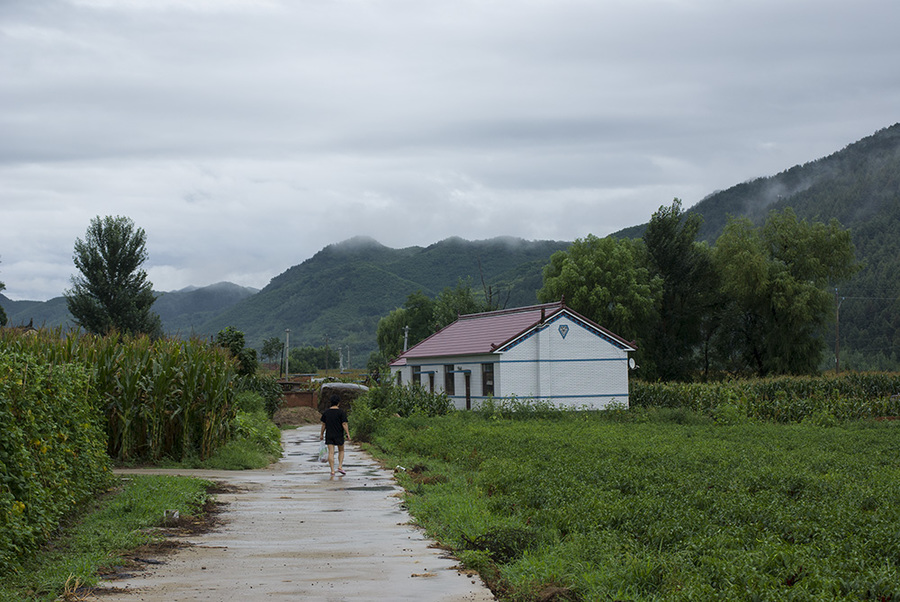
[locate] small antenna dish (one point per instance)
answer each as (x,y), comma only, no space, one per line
(631,363)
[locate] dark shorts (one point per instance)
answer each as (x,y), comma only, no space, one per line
(334,440)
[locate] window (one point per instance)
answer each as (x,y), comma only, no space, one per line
(449,380)
(431,382)
(417,375)
(487,379)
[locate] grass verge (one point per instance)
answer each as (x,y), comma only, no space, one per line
(98,538)
(657,505)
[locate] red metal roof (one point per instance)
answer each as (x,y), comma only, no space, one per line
(482,333)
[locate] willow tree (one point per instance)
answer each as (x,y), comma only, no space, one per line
(779,281)
(113,292)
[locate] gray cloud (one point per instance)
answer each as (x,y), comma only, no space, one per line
(245,135)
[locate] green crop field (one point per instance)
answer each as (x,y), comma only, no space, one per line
(657,504)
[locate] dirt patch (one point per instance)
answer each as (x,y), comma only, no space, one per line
(171,531)
(296,416)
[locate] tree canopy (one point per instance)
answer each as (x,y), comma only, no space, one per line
(113,292)
(689,294)
(425,316)
(232,339)
(272,348)
(778,281)
(757,302)
(606,280)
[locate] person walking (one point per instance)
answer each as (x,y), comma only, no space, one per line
(335,431)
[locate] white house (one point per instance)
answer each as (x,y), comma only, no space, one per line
(543,352)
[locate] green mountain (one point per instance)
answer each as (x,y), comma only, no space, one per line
(181,311)
(49,313)
(337,296)
(184,312)
(860,187)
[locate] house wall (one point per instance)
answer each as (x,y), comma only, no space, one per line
(580,369)
(472,364)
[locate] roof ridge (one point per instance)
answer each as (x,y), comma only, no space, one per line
(514,310)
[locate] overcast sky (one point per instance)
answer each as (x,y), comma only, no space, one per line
(245,135)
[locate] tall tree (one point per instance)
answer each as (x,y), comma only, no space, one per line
(424,316)
(604,279)
(271,348)
(3,318)
(417,314)
(112,292)
(778,280)
(232,339)
(688,292)
(454,302)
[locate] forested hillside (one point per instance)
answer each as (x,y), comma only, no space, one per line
(182,312)
(338,295)
(860,187)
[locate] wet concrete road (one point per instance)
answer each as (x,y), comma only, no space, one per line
(292,532)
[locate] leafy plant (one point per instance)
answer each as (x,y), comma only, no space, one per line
(661,507)
(51,449)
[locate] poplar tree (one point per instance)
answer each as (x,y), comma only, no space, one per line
(113,292)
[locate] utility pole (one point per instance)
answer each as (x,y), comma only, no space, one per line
(837,332)
(405,338)
(287,349)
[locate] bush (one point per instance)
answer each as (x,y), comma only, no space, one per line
(406,401)
(249,402)
(264,386)
(520,409)
(52,449)
(388,400)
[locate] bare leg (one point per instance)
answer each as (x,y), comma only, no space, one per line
(340,457)
(331,458)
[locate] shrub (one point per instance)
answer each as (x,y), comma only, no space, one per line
(266,387)
(406,401)
(52,450)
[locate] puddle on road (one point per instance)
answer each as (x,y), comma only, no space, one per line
(375,488)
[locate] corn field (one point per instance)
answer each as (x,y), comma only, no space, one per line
(850,396)
(163,398)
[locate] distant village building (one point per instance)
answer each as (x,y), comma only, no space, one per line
(542,352)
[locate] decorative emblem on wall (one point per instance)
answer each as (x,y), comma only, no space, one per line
(563,330)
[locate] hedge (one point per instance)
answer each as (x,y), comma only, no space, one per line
(52,449)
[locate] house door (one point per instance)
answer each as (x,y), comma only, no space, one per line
(468,376)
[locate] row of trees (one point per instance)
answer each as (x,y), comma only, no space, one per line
(421,316)
(756,302)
